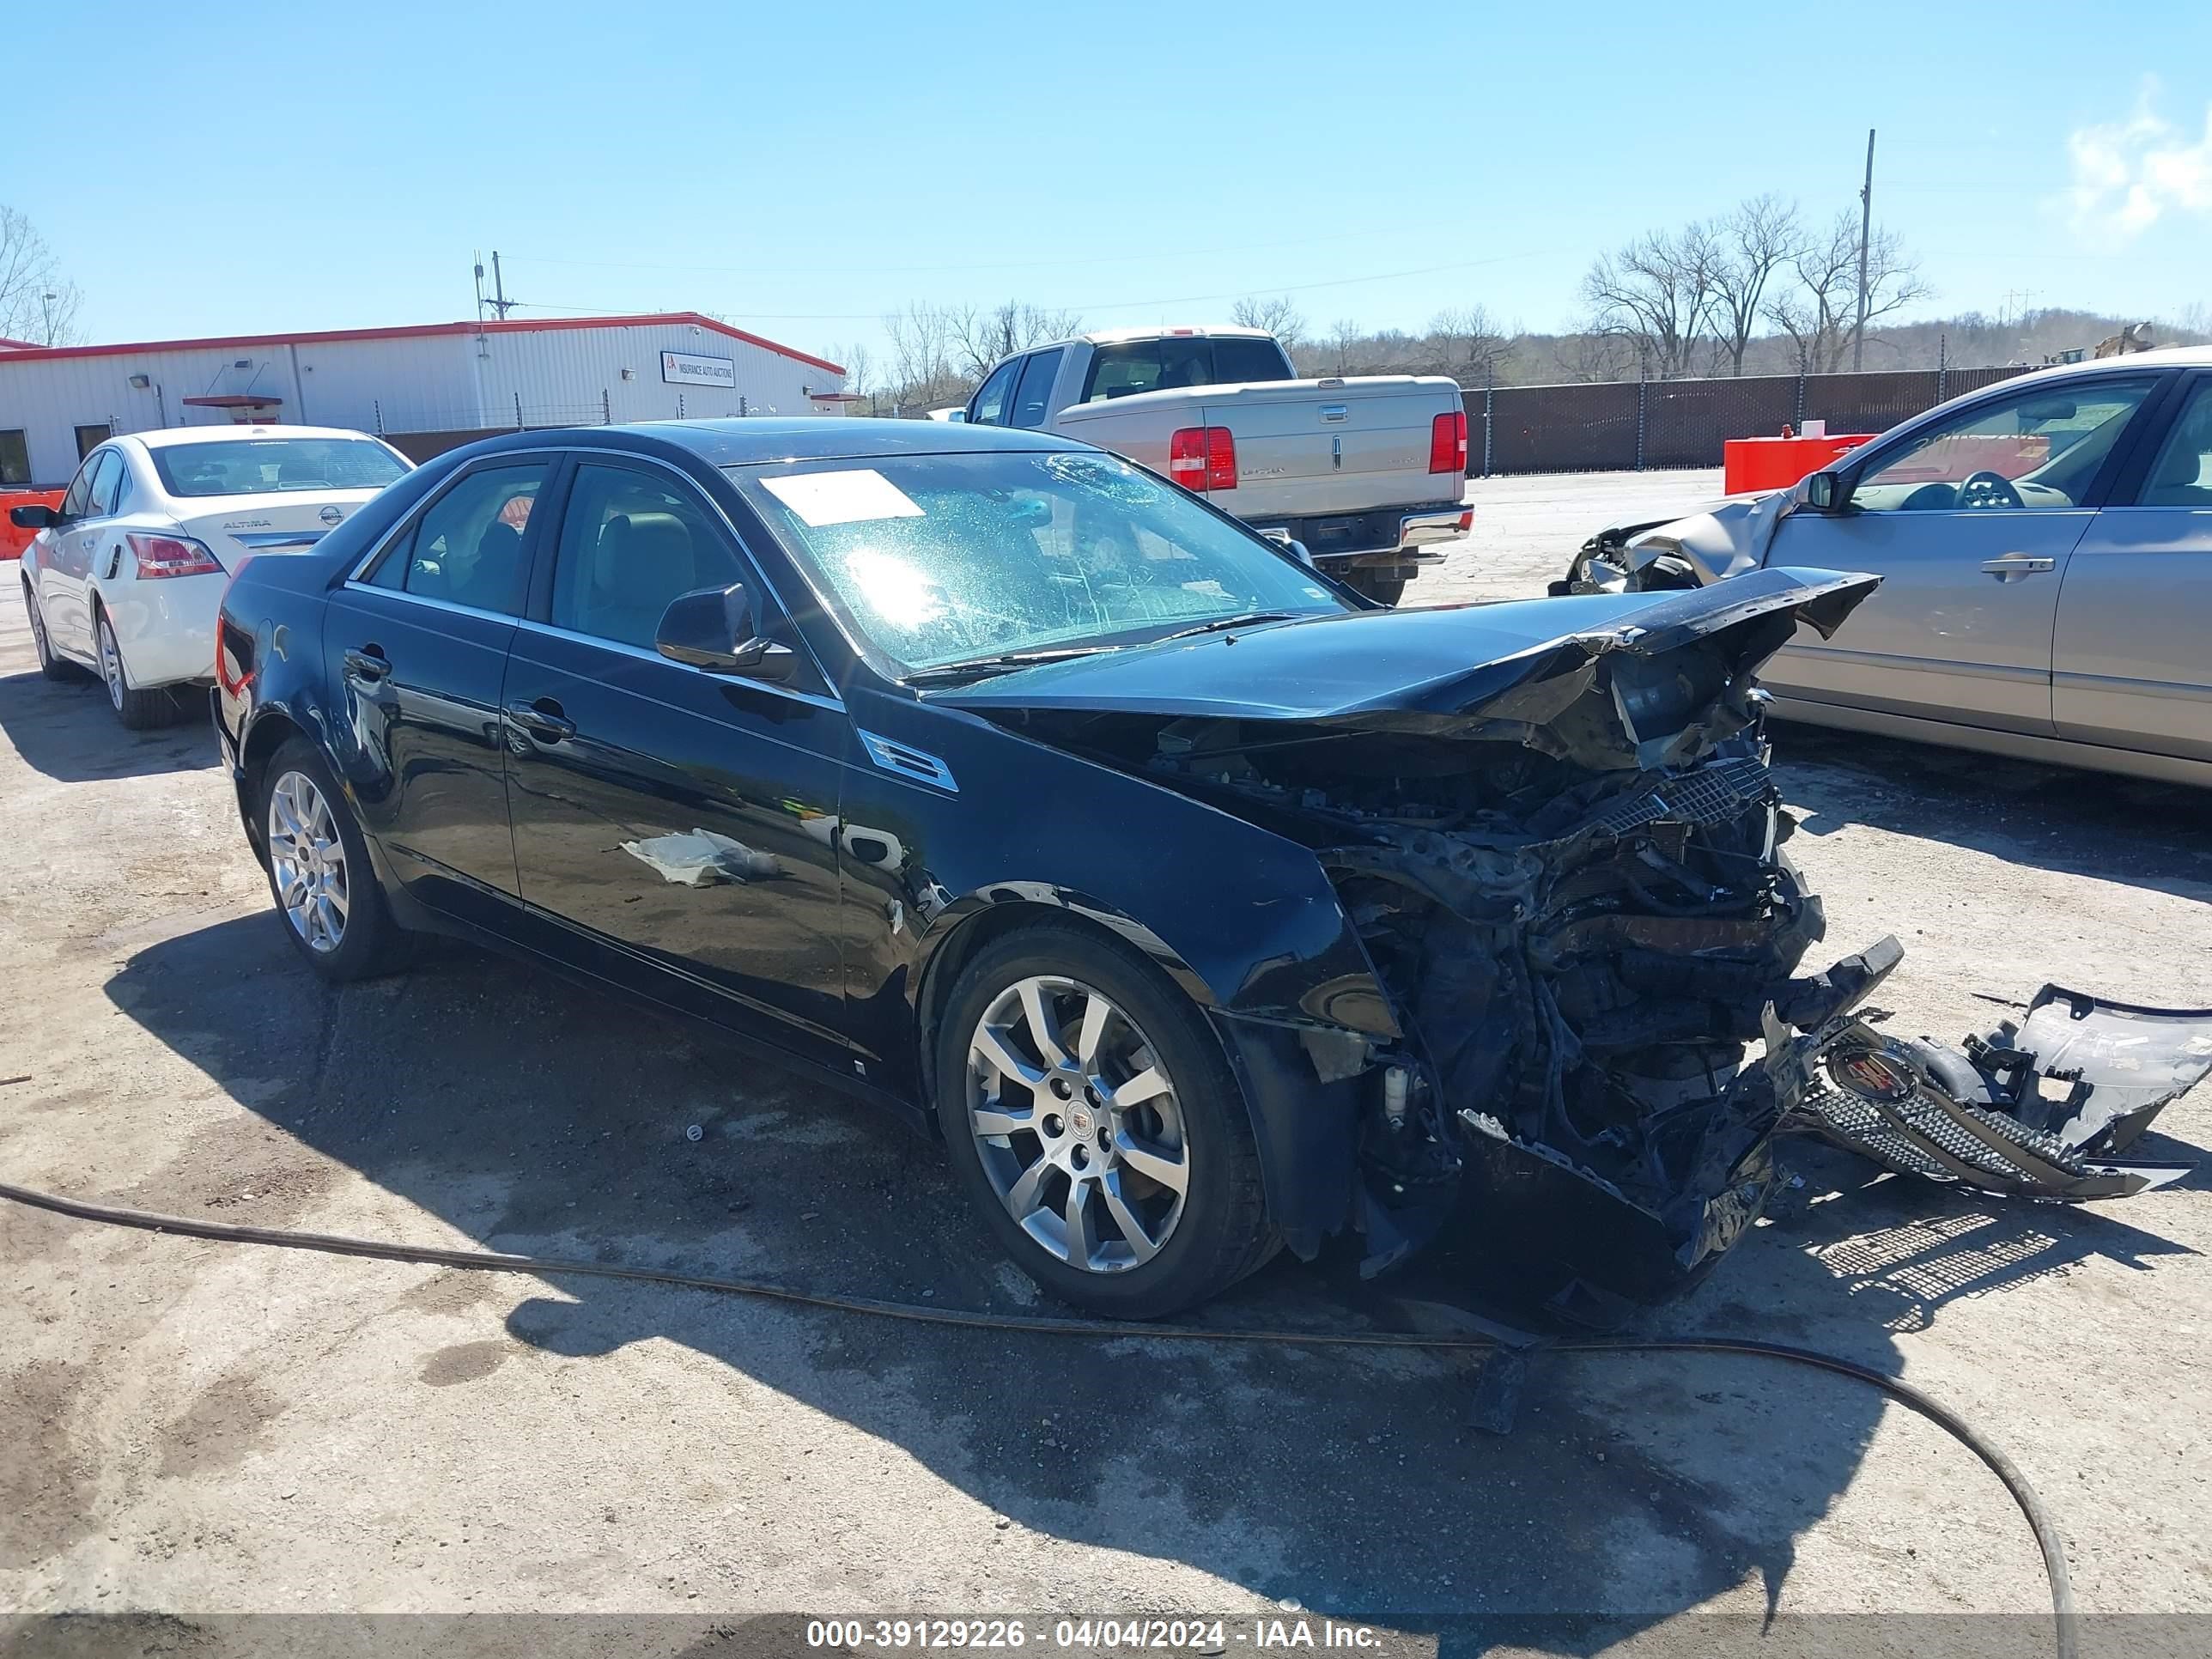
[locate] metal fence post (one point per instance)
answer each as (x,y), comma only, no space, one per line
(606,407)
(1489,410)
(1643,398)
(377,404)
(1942,364)
(517,411)
(1798,425)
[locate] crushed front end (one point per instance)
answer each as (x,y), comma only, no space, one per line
(1576,899)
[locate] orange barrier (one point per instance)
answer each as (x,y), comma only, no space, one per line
(12,540)
(1750,463)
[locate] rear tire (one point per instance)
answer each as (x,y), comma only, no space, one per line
(329,901)
(54,667)
(139,711)
(1140,1113)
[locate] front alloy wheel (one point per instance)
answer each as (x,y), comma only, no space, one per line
(1077,1124)
(308,863)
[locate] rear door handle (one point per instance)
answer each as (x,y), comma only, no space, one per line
(366,665)
(542,719)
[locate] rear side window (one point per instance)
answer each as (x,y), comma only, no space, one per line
(1180,361)
(989,407)
(2182,474)
(468,546)
(106,485)
(1033,397)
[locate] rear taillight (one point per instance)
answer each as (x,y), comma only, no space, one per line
(1203,458)
(1448,443)
(171,556)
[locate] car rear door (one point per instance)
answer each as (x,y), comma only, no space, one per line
(1970,522)
(65,562)
(416,645)
(683,818)
(2130,667)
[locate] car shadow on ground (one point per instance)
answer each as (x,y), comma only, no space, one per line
(64,729)
(554,1122)
(2150,834)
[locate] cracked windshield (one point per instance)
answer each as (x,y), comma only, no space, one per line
(946,559)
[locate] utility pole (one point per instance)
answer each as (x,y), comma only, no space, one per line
(480,299)
(1866,225)
(500,302)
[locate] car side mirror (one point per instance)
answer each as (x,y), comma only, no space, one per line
(1825,492)
(712,628)
(37,516)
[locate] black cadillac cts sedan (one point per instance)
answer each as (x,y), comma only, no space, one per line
(1202,907)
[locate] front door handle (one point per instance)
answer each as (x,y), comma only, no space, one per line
(366,665)
(2012,566)
(542,719)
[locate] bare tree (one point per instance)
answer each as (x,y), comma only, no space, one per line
(859,370)
(1816,302)
(1467,345)
(924,342)
(1760,237)
(1594,357)
(1278,316)
(36,304)
(1344,334)
(987,337)
(1658,292)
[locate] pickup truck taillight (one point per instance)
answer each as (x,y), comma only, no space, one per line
(1203,458)
(1448,443)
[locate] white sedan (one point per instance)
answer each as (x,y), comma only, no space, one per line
(126,574)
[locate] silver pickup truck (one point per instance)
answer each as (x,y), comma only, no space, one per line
(1366,473)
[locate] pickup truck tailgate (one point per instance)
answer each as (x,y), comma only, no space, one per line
(1302,451)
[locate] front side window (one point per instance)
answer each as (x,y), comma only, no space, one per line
(2182,474)
(989,407)
(2037,449)
(629,544)
(265,467)
(467,547)
(942,559)
(15,458)
(80,489)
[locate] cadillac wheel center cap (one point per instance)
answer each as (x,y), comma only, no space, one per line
(1081,1120)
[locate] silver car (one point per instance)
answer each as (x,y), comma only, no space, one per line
(2045,547)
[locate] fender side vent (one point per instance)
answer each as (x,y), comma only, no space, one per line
(914,764)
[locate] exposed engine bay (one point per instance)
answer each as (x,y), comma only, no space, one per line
(1573,890)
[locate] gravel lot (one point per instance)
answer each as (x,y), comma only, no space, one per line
(200,1429)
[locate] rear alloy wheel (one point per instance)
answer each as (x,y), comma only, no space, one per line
(320,872)
(49,665)
(1091,1113)
(139,711)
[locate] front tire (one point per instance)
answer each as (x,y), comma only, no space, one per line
(327,897)
(54,667)
(1094,1120)
(139,711)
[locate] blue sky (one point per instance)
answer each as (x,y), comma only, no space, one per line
(805,169)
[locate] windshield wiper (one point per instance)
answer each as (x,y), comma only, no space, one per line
(1220,624)
(975,668)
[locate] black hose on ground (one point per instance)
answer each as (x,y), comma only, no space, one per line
(2030,1503)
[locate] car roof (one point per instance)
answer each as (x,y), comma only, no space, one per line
(754,441)
(162,437)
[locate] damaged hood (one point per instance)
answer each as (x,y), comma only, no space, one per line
(1409,669)
(1726,539)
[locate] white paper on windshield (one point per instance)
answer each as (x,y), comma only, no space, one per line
(827,498)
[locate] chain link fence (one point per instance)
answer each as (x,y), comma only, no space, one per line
(1614,426)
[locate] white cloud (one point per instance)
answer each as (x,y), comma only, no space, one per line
(2129,174)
